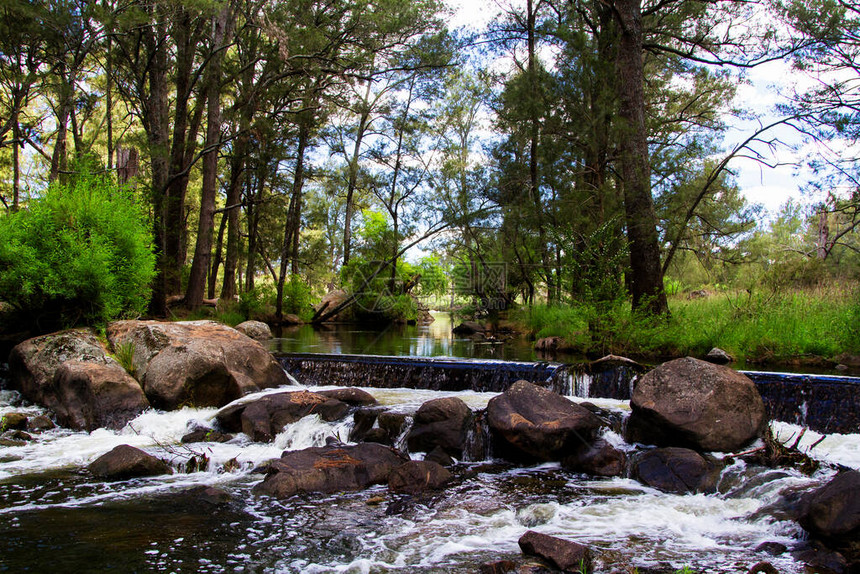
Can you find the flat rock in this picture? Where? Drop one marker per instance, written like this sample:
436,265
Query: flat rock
125,462
328,469
540,424
351,396
696,404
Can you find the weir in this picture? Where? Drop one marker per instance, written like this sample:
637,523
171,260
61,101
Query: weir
826,404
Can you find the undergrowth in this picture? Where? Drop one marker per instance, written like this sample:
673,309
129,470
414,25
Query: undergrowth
756,326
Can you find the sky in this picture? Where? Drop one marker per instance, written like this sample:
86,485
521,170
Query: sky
768,186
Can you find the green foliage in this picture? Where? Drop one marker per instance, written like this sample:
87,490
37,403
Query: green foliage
297,298
753,326
124,355
257,301
82,253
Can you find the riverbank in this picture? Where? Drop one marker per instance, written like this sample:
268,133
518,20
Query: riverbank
817,328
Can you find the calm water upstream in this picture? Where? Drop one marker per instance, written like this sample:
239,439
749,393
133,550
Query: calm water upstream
55,517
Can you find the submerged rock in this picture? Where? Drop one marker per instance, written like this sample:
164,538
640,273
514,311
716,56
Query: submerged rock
468,328
329,469
440,423
196,363
125,462
676,470
418,476
563,554
263,418
696,404
538,424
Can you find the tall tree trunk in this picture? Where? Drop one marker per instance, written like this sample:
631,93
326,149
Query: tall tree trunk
234,198
646,280
156,125
291,228
59,158
182,148
16,160
363,122
109,101
216,259
208,191
253,216
534,173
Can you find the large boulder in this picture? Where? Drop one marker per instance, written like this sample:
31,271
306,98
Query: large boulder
417,476
440,422
329,469
263,418
330,302
565,555
196,363
95,395
125,462
696,404
539,424
71,373
832,513
676,470
34,363
351,396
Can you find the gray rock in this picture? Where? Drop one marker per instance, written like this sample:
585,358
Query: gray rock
257,330
96,395
696,404
676,470
418,476
719,357
196,363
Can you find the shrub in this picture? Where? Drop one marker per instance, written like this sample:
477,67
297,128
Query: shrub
80,254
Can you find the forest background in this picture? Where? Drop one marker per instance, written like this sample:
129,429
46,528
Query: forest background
569,167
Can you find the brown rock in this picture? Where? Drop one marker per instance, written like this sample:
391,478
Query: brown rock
263,418
34,363
599,459
832,513
13,421
125,462
351,396
540,424
563,554
676,470
553,344
257,330
695,404
40,423
498,567
199,363
440,422
418,476
96,395
328,469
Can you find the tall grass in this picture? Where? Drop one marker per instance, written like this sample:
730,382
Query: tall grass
753,326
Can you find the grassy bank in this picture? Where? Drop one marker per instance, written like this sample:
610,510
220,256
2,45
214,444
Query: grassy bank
754,327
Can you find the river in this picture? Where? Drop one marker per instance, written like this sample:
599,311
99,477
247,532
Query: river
56,517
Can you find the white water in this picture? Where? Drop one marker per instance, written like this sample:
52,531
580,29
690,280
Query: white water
479,520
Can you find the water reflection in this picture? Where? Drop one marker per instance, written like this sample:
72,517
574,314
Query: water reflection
433,340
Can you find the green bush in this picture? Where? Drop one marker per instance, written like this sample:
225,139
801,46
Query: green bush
80,254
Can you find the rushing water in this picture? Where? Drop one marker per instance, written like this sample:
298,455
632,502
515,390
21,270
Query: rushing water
55,517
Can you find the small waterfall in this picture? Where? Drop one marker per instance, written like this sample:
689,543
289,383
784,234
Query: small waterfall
439,374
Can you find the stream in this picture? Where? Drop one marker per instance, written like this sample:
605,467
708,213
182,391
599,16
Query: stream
56,517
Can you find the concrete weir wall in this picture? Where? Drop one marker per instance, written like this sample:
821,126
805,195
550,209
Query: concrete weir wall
827,404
